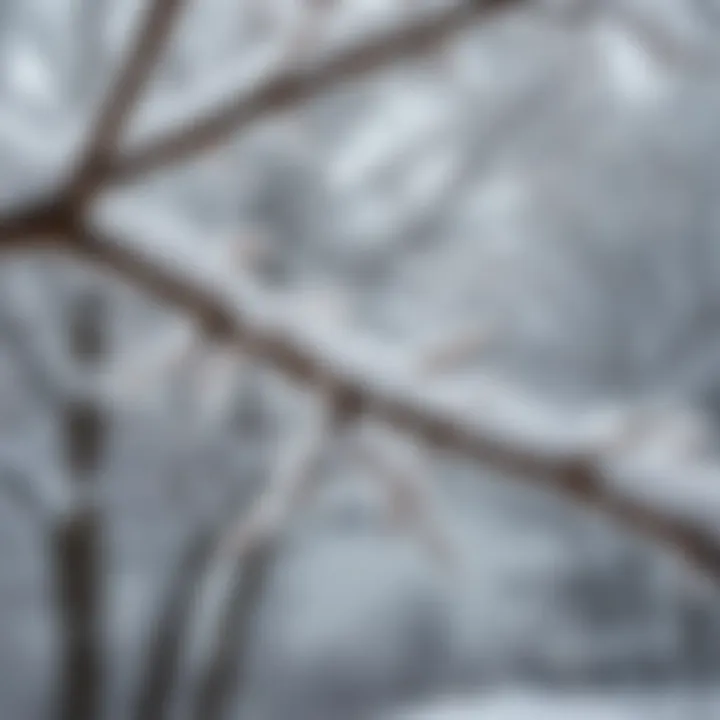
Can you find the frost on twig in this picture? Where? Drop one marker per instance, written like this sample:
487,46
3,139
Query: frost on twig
401,471
244,556
663,455
292,481
213,593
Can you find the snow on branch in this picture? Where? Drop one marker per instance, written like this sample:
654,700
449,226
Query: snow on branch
296,470
57,212
401,469
219,581
204,127
245,553
498,426
131,79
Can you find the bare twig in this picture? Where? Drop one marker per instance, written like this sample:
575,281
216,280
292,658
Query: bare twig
292,87
36,225
131,79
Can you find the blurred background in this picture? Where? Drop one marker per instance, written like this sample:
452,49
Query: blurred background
529,203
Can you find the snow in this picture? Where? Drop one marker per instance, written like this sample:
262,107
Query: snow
528,705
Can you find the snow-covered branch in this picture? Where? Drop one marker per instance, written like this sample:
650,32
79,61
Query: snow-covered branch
401,469
245,553
131,79
221,575
499,427
493,424
204,127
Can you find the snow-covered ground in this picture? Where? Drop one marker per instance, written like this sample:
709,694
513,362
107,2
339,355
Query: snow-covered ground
525,705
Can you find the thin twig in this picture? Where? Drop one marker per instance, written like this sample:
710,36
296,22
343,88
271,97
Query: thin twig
131,79
296,471
248,542
164,655
100,167
293,87
251,544
403,481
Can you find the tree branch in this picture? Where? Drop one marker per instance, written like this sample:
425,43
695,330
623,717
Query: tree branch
571,464
131,79
251,544
292,87
247,540
43,221
38,224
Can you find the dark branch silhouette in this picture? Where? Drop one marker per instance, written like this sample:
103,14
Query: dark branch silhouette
125,92
292,87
